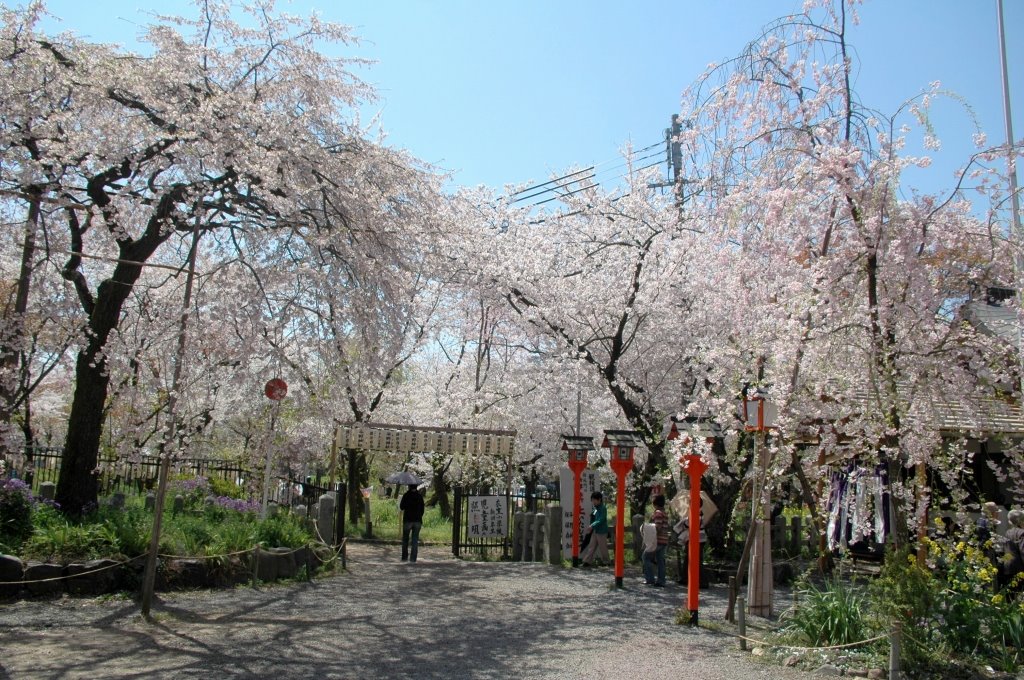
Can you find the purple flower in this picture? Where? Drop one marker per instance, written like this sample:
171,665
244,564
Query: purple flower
236,504
193,484
15,484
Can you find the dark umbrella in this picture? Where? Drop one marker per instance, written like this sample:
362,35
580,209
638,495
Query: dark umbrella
404,478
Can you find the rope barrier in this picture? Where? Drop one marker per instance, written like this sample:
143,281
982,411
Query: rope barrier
292,552
341,546
118,563
316,528
81,573
338,551
764,643
204,557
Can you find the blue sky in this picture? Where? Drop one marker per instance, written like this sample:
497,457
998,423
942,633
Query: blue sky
503,92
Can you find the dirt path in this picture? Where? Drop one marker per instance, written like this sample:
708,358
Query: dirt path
438,618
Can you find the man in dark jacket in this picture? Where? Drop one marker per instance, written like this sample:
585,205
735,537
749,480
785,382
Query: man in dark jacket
411,506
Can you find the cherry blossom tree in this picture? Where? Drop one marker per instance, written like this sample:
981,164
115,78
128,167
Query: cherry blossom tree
237,126
607,282
354,315
38,323
794,259
846,288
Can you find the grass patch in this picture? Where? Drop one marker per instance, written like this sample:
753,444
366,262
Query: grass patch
384,514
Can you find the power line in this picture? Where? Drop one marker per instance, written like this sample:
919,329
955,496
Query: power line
555,198
550,181
633,161
594,184
558,182
667,149
561,185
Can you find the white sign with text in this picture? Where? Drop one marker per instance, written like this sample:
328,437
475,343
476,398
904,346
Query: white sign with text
588,484
487,516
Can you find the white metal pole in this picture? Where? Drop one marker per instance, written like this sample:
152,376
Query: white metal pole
269,449
1016,237
1008,118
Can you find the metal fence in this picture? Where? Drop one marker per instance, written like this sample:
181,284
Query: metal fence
136,475
463,540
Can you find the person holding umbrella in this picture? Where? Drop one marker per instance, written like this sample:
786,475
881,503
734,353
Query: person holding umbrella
412,507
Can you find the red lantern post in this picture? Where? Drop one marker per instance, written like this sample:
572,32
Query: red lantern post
577,448
622,443
695,467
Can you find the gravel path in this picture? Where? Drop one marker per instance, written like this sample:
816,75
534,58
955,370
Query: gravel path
438,618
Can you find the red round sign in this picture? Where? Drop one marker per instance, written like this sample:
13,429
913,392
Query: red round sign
275,389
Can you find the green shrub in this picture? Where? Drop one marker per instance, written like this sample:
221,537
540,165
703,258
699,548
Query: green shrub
906,592
16,505
232,536
834,614
66,542
1009,638
224,487
187,535
131,528
282,531
974,619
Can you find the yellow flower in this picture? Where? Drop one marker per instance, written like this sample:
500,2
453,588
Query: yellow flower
997,598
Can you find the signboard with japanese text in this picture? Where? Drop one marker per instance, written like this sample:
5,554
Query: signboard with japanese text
487,517
588,485
411,439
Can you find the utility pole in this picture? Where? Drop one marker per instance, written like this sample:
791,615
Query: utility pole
1016,237
673,162
676,158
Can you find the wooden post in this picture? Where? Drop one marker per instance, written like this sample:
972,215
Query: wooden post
457,521
922,513
742,609
620,526
895,639
268,446
760,584
506,542
730,611
332,470
149,575
339,523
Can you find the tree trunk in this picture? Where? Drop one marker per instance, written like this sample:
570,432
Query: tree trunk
885,368
440,489
11,385
77,485
358,478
